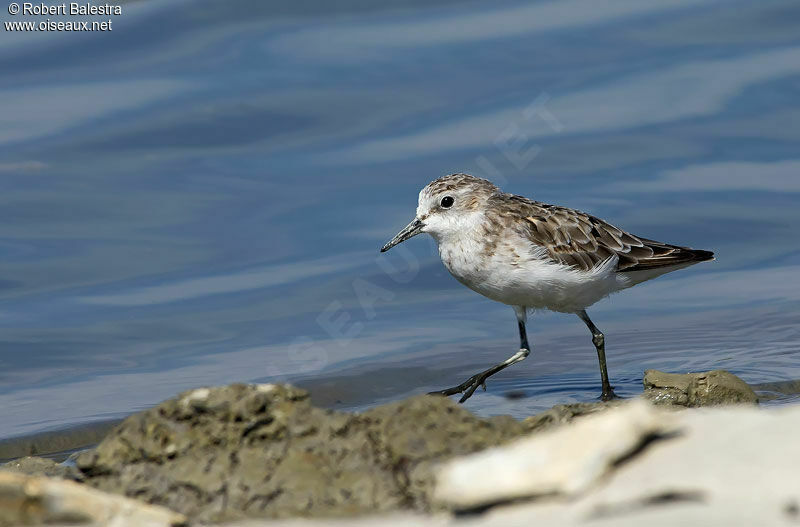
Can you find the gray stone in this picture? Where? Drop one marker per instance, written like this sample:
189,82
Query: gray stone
711,388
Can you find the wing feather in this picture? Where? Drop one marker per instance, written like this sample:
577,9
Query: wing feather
583,241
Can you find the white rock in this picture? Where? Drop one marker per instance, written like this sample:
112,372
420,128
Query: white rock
734,459
563,461
719,467
35,500
200,394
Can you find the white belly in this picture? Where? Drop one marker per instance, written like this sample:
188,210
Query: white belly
530,279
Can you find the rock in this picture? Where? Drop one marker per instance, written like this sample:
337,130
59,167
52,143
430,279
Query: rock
783,391
36,500
565,413
39,466
717,467
667,389
261,453
264,451
737,462
566,460
720,387
711,388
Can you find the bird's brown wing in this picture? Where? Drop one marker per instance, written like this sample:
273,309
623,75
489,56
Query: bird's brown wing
584,241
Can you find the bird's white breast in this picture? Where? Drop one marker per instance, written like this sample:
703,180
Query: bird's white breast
512,270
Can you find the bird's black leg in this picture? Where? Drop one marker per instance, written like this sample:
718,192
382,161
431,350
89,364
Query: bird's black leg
599,342
469,386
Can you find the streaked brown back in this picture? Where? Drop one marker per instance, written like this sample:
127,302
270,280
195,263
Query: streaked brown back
583,241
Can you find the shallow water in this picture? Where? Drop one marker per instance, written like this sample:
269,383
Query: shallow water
198,196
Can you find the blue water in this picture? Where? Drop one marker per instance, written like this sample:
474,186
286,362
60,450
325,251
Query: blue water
198,196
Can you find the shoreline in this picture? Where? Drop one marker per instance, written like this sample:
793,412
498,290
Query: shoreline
262,452
59,443
56,444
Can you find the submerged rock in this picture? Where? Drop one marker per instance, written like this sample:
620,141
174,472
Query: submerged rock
710,388
264,451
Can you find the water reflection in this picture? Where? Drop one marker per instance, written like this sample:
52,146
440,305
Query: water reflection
198,196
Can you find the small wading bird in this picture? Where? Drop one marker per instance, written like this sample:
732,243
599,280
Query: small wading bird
529,254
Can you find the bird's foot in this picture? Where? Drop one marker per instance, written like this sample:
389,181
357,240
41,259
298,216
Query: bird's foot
467,387
608,394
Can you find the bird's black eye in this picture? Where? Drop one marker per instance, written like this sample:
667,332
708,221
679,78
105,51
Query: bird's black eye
447,202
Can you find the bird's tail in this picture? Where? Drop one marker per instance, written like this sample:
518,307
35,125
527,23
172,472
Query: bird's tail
666,255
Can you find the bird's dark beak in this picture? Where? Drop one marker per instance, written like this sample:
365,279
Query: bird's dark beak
410,230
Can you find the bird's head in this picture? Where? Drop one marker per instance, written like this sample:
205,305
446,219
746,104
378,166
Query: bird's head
446,206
